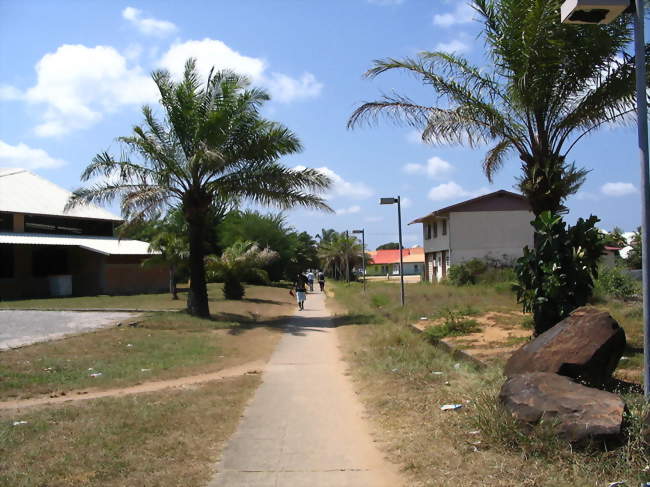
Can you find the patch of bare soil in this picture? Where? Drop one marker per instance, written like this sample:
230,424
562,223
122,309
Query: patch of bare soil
255,367
501,334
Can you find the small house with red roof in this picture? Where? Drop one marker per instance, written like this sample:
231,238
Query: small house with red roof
386,262
493,227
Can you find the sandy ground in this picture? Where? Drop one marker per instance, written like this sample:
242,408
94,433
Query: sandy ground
498,339
305,426
20,328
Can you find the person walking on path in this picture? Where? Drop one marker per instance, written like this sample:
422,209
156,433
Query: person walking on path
300,286
310,281
321,281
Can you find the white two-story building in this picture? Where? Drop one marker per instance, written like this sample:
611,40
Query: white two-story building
494,226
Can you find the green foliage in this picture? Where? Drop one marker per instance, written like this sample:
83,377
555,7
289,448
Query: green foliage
338,251
616,282
455,323
557,276
466,272
296,251
635,256
548,84
389,246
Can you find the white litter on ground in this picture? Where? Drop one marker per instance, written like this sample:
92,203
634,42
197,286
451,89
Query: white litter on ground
450,407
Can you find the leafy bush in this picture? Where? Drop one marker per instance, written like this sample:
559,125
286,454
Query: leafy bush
456,324
466,272
616,282
557,276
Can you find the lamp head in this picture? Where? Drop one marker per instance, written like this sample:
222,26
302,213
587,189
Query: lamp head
387,201
592,11
357,231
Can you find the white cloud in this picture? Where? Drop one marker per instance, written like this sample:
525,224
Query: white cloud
348,211
618,189
462,14
452,190
341,187
78,84
10,93
435,168
453,46
214,53
148,25
26,157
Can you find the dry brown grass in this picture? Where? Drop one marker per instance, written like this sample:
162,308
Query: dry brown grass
392,368
161,439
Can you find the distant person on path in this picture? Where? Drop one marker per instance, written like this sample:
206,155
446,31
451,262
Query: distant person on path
300,285
321,281
310,280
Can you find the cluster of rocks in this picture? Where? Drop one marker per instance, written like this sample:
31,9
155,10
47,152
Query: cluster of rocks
560,374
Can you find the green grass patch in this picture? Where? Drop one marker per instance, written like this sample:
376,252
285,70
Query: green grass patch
455,323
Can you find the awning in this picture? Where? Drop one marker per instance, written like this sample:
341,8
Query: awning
101,245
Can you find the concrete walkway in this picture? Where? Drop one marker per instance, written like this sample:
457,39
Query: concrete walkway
305,426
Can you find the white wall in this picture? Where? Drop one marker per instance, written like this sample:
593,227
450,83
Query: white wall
493,234
435,244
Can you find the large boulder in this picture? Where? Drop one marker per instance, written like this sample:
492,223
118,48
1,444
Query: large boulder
585,346
581,412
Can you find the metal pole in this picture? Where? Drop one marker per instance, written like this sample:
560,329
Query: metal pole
347,257
642,123
363,257
401,259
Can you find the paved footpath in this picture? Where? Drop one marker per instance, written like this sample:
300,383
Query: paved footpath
305,426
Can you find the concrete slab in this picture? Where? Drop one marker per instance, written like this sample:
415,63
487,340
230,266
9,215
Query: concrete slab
305,426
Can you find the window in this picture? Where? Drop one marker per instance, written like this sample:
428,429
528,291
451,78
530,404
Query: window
49,261
6,261
444,227
435,229
428,231
6,222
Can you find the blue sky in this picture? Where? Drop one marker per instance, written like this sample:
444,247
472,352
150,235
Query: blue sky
73,75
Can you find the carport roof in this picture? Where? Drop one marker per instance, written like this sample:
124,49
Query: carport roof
101,245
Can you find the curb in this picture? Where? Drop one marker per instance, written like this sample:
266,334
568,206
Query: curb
453,351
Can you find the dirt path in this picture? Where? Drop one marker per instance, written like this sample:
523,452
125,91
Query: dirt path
247,368
305,426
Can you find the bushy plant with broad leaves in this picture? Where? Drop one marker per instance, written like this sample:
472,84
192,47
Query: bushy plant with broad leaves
466,272
617,282
558,275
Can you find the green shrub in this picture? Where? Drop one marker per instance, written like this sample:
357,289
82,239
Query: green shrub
456,324
466,272
616,282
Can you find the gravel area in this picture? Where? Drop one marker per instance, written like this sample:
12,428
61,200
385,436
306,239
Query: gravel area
19,328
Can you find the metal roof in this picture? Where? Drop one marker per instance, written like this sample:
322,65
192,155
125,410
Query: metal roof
22,191
101,245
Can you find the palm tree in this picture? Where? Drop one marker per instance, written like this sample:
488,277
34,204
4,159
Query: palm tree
550,85
244,260
173,252
339,253
211,146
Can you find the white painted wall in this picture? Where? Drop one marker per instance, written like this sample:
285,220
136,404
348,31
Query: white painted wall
493,234
435,244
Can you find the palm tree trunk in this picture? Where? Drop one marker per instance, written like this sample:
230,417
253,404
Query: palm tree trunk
197,297
172,282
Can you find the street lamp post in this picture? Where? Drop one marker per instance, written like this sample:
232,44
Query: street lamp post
363,255
591,12
392,201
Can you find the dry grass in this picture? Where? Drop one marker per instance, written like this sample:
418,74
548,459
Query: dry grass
160,439
166,345
393,370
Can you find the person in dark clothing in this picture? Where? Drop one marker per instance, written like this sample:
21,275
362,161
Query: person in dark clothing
321,281
300,285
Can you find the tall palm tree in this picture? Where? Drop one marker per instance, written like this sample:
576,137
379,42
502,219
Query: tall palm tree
549,86
211,146
339,252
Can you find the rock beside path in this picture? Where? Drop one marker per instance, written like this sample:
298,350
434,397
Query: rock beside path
585,346
581,412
